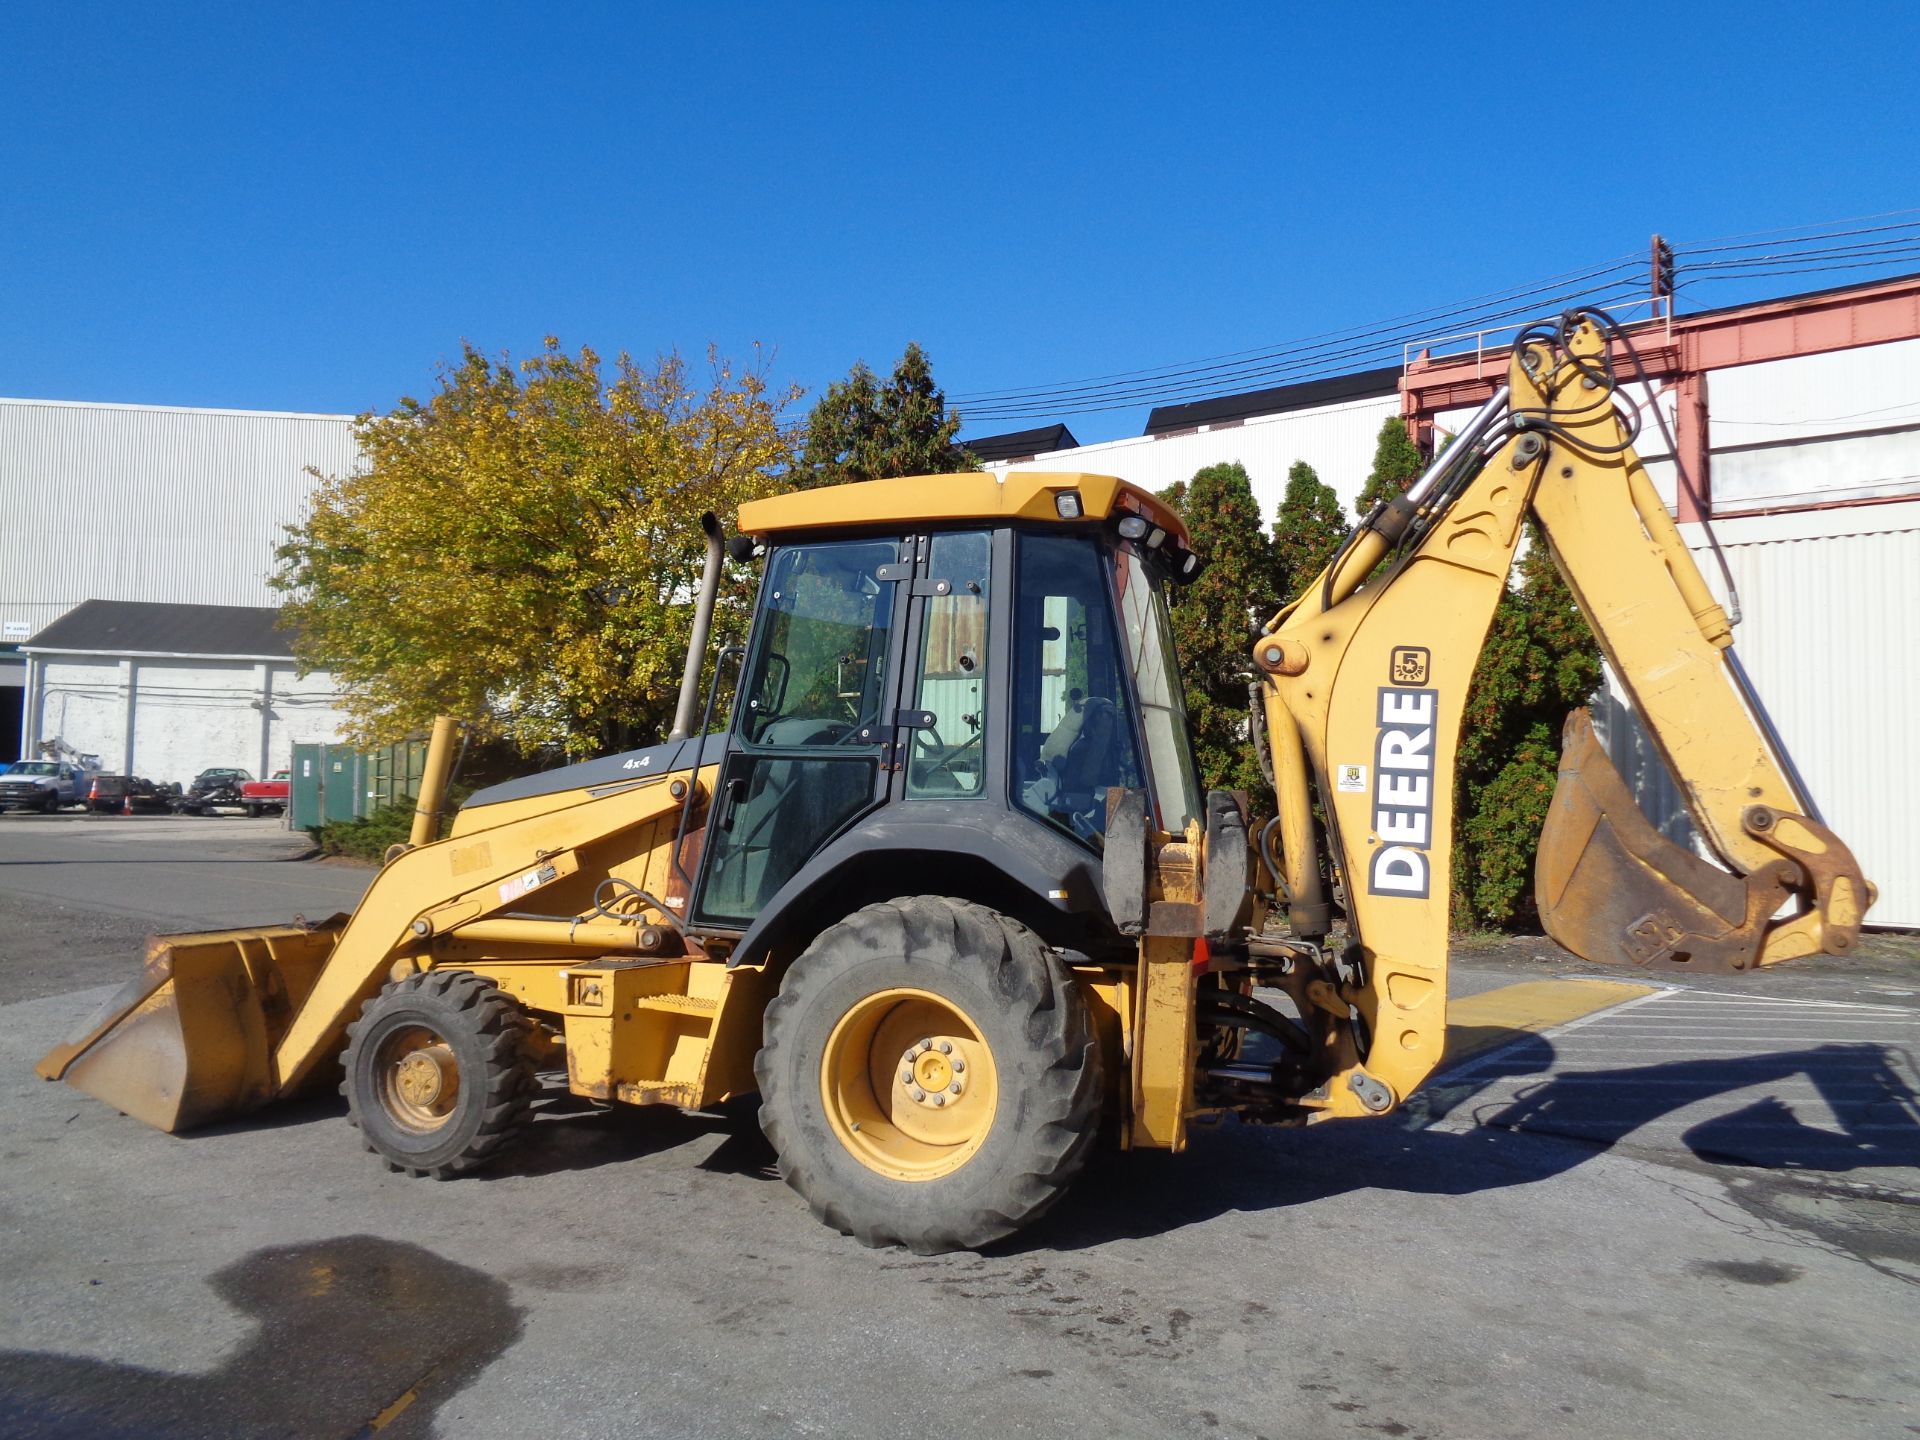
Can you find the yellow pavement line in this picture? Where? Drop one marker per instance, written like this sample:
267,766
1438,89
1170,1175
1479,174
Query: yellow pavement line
1483,1022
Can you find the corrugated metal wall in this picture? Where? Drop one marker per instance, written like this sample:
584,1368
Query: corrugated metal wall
106,502
1832,615
1832,625
1337,440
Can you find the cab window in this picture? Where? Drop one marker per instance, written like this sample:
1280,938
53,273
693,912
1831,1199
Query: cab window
820,669
1073,723
947,756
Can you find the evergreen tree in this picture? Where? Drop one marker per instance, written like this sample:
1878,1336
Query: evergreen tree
1396,464
865,428
1540,662
1307,530
1215,622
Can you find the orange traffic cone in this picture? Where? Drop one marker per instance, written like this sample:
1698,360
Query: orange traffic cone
126,803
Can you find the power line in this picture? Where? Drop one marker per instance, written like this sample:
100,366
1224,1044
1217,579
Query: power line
1307,366
1793,250
1864,247
1383,340
1433,314
1721,242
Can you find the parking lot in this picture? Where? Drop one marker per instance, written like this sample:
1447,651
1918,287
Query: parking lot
1634,1211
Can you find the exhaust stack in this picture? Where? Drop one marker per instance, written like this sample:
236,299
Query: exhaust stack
683,713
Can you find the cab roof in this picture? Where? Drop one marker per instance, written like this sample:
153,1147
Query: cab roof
915,500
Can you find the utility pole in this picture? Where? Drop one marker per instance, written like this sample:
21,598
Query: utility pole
1661,277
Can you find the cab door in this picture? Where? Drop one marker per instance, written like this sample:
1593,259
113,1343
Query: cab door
814,727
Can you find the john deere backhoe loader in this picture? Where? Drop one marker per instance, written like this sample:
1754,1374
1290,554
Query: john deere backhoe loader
946,893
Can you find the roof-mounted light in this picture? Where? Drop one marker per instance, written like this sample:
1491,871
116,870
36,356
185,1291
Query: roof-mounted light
1132,527
1067,504
1190,566
1156,539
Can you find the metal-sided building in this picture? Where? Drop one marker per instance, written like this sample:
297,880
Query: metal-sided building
1799,419
170,518
166,691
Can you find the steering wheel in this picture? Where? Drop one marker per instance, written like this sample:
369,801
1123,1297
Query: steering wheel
927,740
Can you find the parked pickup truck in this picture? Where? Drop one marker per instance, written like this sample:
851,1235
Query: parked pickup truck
42,785
267,797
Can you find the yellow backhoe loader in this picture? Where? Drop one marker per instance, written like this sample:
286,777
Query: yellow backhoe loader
946,893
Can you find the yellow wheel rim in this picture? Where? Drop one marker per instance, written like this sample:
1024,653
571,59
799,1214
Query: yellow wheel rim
417,1079
909,1084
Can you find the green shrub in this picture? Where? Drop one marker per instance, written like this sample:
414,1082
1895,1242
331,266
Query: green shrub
368,837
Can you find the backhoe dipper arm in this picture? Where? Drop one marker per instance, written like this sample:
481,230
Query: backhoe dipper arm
1366,677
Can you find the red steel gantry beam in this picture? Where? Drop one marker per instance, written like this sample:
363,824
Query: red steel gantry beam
1681,351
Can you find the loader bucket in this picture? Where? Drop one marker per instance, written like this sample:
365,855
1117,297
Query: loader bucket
190,1040
1614,890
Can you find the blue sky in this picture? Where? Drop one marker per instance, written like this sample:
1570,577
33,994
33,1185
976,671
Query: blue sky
308,208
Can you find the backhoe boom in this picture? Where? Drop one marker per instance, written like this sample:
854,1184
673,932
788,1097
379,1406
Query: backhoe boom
1365,680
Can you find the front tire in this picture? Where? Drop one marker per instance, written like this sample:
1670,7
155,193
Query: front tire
439,1074
930,1076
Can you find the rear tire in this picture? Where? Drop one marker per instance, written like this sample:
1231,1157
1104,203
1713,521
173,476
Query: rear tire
864,1113
439,1078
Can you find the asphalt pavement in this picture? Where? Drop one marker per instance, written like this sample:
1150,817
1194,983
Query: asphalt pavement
1625,1210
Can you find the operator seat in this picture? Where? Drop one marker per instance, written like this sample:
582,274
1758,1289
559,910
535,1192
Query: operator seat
1077,764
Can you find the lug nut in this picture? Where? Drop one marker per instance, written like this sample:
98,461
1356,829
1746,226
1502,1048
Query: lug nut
954,1088
946,1047
939,1099
925,1044
906,1077
918,1093
959,1066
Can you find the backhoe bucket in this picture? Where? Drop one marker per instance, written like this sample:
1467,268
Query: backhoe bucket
190,1040
1614,890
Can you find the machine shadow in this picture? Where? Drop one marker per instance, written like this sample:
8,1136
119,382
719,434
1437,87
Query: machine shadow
400,1330
1547,1129
574,1134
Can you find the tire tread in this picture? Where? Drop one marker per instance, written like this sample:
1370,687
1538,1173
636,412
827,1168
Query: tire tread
1031,982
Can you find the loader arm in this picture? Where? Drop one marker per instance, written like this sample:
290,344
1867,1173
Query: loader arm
1365,677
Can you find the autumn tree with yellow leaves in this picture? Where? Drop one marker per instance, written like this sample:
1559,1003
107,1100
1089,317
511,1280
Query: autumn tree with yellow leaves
521,548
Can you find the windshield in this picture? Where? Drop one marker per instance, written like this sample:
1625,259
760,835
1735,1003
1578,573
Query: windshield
820,670
33,767
1156,679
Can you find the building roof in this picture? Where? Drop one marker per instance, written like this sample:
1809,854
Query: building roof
1021,444
175,409
140,627
1331,390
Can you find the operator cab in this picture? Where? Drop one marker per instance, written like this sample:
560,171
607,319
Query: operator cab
960,692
